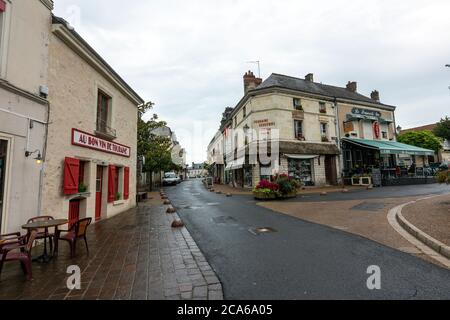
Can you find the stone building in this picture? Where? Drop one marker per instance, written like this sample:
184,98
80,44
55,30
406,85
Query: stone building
304,124
90,169
326,134
24,56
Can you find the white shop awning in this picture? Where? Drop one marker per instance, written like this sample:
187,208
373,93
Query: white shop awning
235,164
301,156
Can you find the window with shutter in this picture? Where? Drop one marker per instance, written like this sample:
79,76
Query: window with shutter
126,183
71,174
111,183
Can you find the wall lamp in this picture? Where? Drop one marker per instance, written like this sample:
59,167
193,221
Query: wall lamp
38,159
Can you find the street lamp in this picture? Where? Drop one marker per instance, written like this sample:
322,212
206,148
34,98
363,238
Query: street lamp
399,129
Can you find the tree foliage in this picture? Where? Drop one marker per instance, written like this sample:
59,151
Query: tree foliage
442,129
422,139
154,148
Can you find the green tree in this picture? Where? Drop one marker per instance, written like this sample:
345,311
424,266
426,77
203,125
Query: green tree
422,139
442,129
154,148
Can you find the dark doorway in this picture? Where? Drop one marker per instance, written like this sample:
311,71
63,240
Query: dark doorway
3,158
330,170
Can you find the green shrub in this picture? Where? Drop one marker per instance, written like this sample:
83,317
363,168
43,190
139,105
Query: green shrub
443,177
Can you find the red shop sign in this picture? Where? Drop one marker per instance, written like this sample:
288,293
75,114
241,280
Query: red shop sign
86,140
376,129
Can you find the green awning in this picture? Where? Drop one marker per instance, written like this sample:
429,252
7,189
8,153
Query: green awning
390,147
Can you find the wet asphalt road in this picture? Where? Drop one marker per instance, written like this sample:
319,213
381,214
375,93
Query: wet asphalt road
302,260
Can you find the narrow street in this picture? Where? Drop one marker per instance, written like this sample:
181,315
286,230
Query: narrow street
300,260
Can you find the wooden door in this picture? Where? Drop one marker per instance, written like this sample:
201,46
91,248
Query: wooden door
330,170
98,193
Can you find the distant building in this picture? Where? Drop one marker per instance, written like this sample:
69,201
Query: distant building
197,169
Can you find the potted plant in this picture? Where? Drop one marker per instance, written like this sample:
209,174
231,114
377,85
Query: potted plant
325,139
82,188
287,186
356,181
443,177
265,190
118,196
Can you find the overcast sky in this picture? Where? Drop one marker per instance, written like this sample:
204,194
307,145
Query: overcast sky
188,57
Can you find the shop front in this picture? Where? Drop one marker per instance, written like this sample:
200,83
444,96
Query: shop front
96,179
384,162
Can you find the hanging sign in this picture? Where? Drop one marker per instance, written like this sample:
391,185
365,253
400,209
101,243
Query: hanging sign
376,129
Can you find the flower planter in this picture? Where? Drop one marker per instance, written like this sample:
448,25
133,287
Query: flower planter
361,181
288,196
264,196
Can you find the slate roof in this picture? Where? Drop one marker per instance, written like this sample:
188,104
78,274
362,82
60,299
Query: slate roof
288,82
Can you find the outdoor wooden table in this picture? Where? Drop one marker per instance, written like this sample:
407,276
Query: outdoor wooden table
45,257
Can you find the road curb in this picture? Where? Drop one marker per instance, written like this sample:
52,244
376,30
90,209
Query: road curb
434,244
427,244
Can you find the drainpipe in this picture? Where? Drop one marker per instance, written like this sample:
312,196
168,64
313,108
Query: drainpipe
44,158
338,138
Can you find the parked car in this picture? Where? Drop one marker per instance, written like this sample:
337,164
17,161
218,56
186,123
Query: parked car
170,179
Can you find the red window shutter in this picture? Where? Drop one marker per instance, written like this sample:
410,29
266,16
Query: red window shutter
111,183
2,6
126,183
71,173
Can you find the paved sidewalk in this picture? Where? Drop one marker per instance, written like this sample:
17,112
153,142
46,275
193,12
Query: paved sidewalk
432,216
134,255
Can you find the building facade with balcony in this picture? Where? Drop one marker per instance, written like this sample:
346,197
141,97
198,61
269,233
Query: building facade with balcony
90,169
24,56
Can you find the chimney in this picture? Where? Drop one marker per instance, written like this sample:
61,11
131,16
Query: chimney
352,86
251,82
309,77
375,96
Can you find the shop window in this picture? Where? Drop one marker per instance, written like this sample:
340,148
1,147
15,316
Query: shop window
82,185
358,158
298,104
384,135
298,128
322,107
347,159
301,169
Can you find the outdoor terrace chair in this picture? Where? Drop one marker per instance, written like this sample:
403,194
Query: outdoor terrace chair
18,248
41,232
77,231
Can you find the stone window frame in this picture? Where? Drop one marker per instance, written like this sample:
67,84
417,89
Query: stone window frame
5,26
101,87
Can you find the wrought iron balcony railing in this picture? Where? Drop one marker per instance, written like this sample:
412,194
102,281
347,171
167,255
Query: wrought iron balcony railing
104,129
